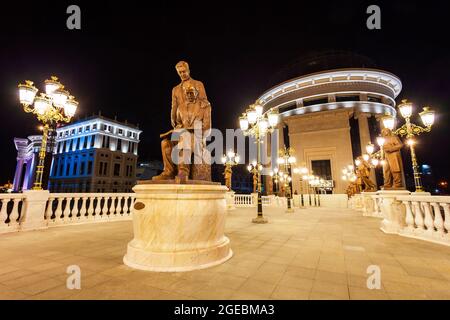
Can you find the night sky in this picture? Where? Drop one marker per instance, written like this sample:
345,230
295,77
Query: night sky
122,60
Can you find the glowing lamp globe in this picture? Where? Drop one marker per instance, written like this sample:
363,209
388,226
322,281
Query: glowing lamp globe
27,93
427,116
41,104
259,110
251,116
60,97
370,148
405,109
381,141
52,85
389,122
70,107
273,118
243,123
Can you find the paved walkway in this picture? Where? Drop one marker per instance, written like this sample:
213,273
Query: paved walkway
313,253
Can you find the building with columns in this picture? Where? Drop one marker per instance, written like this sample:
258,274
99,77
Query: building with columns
27,159
329,117
96,154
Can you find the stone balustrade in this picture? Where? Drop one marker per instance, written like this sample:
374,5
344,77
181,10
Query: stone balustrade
427,218
32,210
70,208
12,206
243,200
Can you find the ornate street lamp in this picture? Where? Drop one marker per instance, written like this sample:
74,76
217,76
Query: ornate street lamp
54,106
229,160
257,124
410,130
286,160
303,172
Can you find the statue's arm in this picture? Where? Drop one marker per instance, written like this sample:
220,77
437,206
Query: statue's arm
173,112
202,91
207,121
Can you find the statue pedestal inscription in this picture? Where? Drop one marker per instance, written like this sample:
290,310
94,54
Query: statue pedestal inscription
178,227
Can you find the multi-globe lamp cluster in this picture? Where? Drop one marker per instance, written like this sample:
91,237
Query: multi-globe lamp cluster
54,106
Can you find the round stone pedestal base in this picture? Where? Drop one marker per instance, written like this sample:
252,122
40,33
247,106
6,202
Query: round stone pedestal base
178,227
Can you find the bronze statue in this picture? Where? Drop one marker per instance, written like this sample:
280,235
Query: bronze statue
255,183
227,174
191,120
392,169
363,174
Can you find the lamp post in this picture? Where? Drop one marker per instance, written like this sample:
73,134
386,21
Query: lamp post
286,159
254,168
229,160
54,106
410,130
257,124
303,172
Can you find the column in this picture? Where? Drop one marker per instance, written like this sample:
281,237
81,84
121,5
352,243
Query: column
364,138
18,174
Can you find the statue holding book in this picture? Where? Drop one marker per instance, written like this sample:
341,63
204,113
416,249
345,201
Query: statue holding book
184,147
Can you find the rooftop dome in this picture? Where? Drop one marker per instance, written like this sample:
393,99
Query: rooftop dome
321,61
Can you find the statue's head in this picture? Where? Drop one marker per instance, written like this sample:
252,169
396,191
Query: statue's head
191,93
386,132
183,70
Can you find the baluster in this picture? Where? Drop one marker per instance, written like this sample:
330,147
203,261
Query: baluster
49,211
97,209
438,221
108,206
376,209
65,212
4,213
429,219
114,204
418,215
121,206
447,218
409,216
14,215
105,208
126,207
90,210
58,210
75,211
83,208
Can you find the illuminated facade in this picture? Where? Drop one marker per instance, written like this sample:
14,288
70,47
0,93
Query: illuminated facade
95,155
27,159
330,116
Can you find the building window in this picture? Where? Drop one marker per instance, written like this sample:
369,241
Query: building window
374,99
75,165
119,145
120,131
79,130
82,168
315,101
100,170
346,98
105,168
85,143
78,144
88,128
105,127
89,167
68,167
92,141
72,132
94,126
116,169
322,168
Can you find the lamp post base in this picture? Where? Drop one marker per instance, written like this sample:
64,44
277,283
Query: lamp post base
260,219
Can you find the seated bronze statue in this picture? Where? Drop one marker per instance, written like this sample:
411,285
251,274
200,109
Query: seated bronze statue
184,147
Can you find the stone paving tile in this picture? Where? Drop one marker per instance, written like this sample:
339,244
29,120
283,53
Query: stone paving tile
314,253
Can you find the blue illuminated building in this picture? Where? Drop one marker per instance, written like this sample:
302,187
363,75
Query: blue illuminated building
95,154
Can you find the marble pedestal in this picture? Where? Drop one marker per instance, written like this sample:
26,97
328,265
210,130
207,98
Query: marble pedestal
394,212
178,227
